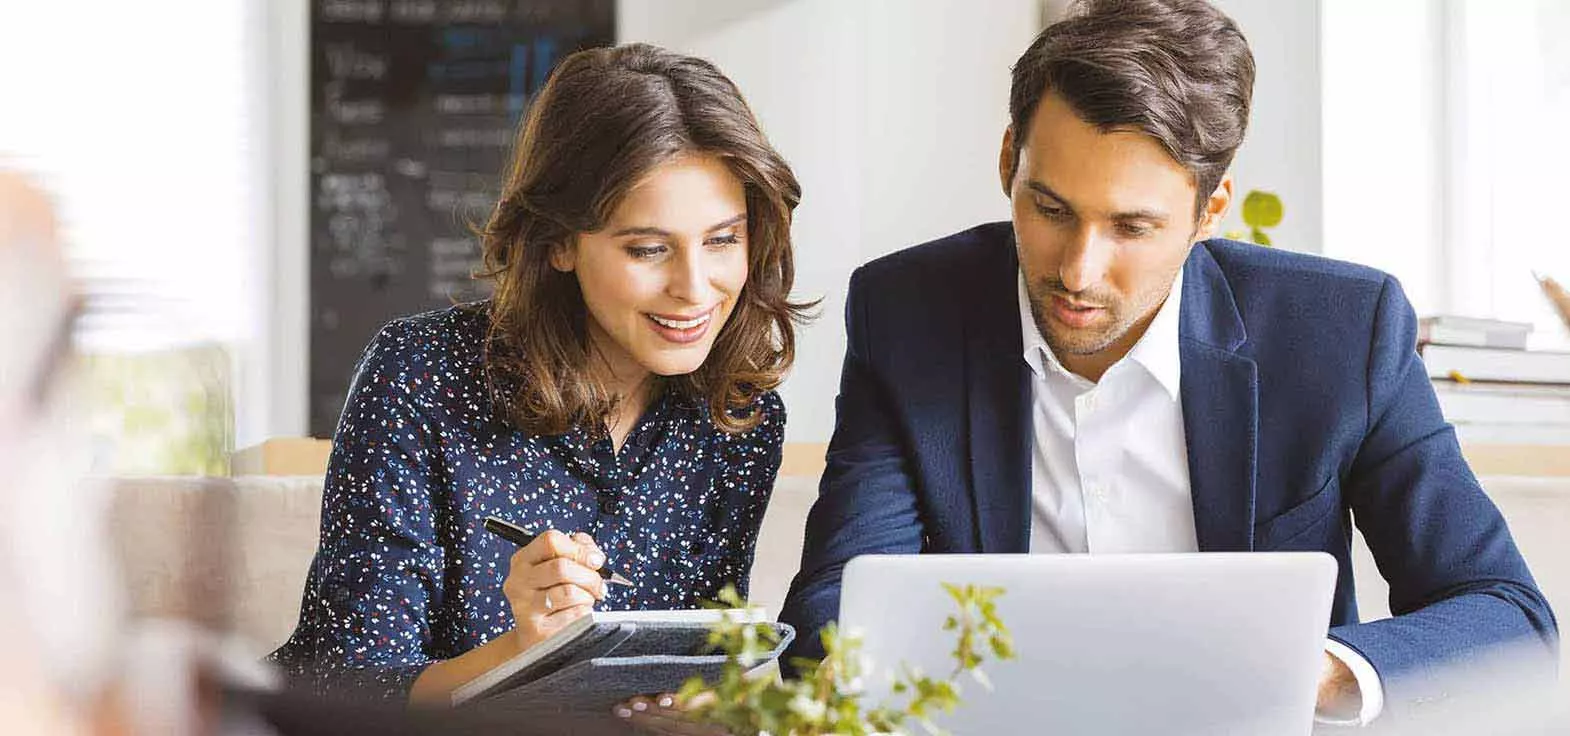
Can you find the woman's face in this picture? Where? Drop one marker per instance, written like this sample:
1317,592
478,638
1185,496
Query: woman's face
663,275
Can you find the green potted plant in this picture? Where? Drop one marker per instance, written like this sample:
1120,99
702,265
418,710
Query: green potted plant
827,696
1261,210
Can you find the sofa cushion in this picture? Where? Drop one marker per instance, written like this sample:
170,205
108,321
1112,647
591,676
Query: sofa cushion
236,552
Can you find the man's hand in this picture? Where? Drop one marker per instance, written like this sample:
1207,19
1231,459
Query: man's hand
663,715
1339,696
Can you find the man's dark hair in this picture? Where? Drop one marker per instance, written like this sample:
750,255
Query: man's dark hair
1179,71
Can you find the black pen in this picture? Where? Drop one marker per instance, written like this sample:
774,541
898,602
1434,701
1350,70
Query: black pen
521,537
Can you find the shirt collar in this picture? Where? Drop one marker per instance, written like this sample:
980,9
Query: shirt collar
1037,355
1157,350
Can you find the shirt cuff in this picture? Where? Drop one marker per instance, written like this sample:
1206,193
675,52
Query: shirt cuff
1372,692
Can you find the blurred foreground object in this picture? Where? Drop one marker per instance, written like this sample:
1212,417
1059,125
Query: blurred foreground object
61,606
1510,691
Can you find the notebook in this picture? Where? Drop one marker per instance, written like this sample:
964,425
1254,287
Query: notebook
570,681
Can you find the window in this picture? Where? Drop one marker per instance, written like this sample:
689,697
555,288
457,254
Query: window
137,121
1509,147
1443,151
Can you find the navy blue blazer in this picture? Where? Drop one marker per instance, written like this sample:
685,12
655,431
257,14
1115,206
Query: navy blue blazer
1304,403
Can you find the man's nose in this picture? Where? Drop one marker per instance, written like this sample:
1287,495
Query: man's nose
1086,261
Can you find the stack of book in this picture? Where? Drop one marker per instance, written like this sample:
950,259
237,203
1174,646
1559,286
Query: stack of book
1491,387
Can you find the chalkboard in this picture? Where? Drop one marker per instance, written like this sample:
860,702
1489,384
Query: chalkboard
414,107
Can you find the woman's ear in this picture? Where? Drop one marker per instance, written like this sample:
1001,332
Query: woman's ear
564,256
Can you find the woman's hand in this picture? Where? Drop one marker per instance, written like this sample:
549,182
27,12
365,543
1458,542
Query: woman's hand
664,715
553,581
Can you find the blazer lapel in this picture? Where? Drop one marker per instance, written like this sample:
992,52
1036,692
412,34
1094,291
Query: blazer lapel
998,406
1220,390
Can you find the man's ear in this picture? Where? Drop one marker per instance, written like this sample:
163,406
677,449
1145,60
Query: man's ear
1215,210
1006,162
564,255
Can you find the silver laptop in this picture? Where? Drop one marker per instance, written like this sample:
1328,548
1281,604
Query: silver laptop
1110,644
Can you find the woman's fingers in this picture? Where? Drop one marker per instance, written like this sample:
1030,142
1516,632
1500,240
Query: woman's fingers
664,715
548,623
579,548
561,571
553,545
553,582
593,556
553,559
563,596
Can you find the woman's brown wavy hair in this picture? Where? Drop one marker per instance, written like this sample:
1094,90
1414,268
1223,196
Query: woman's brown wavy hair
603,120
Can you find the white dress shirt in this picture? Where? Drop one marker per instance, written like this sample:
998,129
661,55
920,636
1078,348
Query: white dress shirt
1109,460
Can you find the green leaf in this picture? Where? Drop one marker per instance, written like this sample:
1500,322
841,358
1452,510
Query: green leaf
826,698
1259,236
1262,209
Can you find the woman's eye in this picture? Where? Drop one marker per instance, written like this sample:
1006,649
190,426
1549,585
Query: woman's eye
724,240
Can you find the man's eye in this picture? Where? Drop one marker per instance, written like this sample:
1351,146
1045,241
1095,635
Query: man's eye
1052,213
1135,231
645,251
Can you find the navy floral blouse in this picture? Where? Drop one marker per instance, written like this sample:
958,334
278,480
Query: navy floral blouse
405,575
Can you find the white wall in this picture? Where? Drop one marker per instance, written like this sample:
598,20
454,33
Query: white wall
1508,107
890,112
1282,150
273,391
1384,134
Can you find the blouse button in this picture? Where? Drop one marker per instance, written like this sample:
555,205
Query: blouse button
692,547
607,504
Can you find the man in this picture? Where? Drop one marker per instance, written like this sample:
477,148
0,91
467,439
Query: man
1100,376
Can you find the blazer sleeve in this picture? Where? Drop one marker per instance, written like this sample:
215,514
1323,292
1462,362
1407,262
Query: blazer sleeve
1458,585
866,500
376,581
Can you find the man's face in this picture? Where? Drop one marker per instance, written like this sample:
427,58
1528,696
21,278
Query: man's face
1103,222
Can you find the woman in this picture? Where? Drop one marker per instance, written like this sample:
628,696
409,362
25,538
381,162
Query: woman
617,388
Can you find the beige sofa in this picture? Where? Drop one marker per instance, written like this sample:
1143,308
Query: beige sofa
247,564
